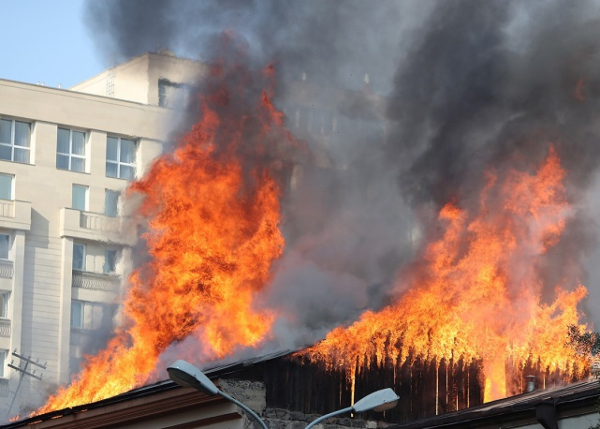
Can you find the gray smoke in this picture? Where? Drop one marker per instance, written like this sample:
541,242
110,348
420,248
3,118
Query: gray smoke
493,84
488,80
345,223
332,42
465,84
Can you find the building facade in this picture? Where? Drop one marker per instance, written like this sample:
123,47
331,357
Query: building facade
66,155
65,158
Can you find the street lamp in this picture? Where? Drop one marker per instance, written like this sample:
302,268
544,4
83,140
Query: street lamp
187,375
381,400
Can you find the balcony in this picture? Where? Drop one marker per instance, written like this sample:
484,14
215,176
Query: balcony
15,215
96,281
6,269
4,327
95,227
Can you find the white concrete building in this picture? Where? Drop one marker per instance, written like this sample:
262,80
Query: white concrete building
65,157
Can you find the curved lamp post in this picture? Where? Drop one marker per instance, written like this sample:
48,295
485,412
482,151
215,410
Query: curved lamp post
187,375
381,400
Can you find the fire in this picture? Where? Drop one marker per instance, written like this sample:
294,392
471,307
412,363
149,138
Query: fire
213,211
476,292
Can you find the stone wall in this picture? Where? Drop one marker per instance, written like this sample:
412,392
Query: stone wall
277,418
253,394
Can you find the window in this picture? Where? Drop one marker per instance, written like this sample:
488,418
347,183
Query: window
4,246
15,138
4,304
77,314
170,93
3,357
79,256
89,315
6,186
111,202
110,261
79,198
120,158
70,150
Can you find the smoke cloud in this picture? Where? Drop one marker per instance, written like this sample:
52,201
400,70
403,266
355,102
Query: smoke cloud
493,84
332,42
454,87
345,223
488,80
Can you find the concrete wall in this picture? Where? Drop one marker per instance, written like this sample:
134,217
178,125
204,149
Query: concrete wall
120,102
176,70
253,394
277,418
137,80
128,81
44,227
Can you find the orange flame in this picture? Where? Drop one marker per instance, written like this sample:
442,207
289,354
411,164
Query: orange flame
213,232
477,293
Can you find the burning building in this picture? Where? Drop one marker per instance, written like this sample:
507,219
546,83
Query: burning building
89,237
435,242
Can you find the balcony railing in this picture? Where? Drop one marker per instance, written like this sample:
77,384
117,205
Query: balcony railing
7,208
100,223
95,281
6,269
4,327
96,227
15,214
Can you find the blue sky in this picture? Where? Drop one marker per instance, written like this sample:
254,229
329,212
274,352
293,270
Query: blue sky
47,41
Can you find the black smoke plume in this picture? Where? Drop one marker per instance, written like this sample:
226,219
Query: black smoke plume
486,81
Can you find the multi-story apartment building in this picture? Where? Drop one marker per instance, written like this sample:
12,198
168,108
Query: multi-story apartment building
65,158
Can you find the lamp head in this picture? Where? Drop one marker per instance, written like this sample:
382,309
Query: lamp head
187,375
381,400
